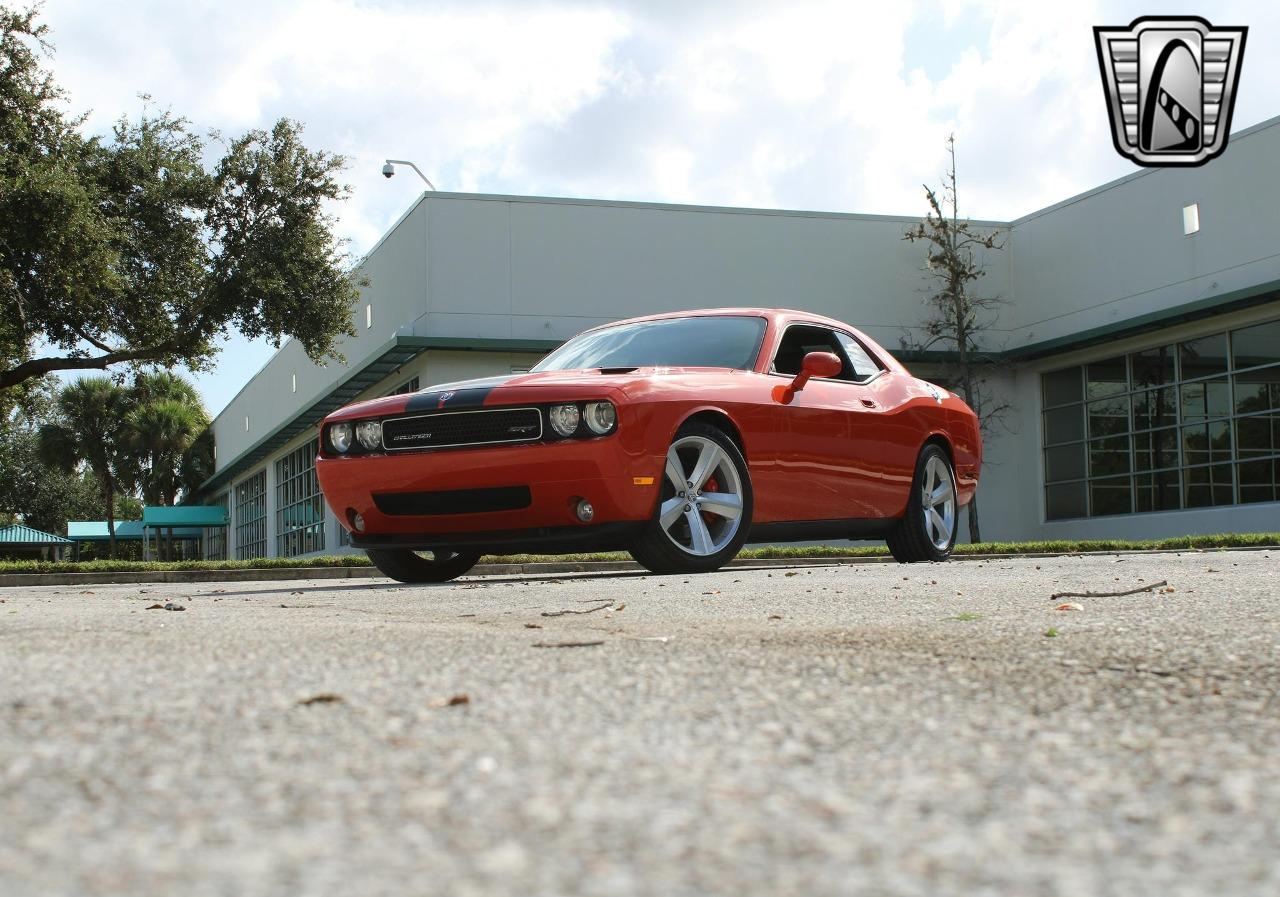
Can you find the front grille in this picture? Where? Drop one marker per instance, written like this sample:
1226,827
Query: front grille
453,501
457,428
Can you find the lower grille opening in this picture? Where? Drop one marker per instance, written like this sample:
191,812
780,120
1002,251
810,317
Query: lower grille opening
453,501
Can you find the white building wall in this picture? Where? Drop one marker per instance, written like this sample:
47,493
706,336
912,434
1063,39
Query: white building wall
1119,252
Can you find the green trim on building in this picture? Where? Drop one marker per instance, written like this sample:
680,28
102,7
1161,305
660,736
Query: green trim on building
1156,320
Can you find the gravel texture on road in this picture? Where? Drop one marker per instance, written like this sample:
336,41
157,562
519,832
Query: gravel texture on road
871,729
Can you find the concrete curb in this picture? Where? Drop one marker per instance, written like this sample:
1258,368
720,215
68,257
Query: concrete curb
277,574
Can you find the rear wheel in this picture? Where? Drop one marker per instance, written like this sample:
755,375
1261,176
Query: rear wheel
422,566
927,532
704,507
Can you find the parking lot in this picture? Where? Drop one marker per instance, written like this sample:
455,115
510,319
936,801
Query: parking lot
870,728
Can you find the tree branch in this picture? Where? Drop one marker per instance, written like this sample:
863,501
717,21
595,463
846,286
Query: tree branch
38,367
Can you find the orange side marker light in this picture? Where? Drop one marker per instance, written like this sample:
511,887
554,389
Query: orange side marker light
642,481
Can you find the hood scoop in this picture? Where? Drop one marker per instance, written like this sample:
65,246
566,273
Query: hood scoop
617,370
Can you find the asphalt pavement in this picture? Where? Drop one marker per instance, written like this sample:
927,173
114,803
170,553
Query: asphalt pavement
865,729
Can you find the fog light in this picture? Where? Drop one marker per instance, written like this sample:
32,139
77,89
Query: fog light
357,520
584,510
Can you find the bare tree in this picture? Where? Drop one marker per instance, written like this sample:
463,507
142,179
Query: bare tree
957,316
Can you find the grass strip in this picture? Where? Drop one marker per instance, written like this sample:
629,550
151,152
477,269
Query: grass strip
779,552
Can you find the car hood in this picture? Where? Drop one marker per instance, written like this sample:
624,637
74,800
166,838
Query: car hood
540,386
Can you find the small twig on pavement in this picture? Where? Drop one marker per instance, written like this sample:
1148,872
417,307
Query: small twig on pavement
590,610
1154,585
568,644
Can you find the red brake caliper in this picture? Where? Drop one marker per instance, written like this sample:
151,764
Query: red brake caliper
709,486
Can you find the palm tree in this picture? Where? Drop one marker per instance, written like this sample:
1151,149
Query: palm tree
164,431
90,431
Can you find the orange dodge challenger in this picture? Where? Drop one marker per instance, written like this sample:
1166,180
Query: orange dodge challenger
678,437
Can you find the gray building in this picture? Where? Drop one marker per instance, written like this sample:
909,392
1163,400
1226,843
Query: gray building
1139,344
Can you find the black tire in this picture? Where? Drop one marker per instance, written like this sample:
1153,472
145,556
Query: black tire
658,551
411,567
910,542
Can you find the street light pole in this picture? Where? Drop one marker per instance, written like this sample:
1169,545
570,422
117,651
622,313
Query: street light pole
389,169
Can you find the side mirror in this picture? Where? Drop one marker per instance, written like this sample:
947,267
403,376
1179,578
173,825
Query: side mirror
815,364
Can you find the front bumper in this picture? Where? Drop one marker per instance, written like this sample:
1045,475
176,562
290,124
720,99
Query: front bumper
556,475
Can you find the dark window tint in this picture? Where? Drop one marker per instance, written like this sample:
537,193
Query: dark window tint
864,367
1257,390
1061,387
1109,456
1206,443
1157,491
1258,435
1066,500
1259,344
1109,416
1203,357
1064,425
1112,495
716,341
1207,486
1153,367
1155,449
1259,480
1154,408
1205,399
1107,378
1064,462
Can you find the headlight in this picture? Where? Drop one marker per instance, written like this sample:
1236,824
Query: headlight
340,437
564,419
369,432
601,417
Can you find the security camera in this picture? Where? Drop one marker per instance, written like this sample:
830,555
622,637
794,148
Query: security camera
388,170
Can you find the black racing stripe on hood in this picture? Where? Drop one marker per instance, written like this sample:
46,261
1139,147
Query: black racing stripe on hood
449,397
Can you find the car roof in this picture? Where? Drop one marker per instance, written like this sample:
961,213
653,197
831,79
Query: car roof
779,314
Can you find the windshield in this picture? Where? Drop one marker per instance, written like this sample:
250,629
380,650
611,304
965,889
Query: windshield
719,341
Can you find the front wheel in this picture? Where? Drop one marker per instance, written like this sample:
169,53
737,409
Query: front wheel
704,506
422,566
927,532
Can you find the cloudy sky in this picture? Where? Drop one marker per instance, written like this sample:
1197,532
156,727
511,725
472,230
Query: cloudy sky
839,106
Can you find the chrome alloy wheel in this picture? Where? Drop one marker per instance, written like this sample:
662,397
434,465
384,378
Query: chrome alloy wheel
698,520
938,502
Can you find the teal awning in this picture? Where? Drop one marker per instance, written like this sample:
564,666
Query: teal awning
17,534
126,531
184,515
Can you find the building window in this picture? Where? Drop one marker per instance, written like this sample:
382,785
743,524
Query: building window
406,387
368,316
299,505
216,536
251,517
1187,425
1191,219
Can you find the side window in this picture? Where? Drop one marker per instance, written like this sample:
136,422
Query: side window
864,366
798,341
